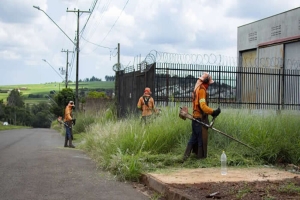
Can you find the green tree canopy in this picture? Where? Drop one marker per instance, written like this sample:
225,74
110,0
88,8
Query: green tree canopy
15,99
62,99
2,113
95,94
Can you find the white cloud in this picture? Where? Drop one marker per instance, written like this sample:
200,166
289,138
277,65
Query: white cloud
27,35
9,55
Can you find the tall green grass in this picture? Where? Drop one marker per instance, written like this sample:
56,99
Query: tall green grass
128,148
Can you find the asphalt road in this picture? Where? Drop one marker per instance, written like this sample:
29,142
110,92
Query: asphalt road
35,165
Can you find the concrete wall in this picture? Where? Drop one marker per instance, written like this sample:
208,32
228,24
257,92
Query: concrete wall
280,26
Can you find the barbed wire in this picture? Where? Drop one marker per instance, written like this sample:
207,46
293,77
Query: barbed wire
214,60
220,60
211,59
273,62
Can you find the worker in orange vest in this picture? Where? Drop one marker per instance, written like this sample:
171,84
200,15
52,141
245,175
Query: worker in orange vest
146,105
201,110
68,121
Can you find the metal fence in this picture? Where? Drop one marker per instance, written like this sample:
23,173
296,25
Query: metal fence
131,85
237,87
172,79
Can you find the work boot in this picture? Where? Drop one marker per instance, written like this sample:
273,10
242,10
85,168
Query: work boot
187,152
200,153
70,143
66,142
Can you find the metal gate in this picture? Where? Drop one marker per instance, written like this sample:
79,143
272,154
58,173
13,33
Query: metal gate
131,87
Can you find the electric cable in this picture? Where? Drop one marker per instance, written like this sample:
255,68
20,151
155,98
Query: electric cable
115,21
91,12
96,44
104,7
93,8
72,63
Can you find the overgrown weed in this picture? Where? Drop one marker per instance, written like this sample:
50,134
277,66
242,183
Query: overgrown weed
127,148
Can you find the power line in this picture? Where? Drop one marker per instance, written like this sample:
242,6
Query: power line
92,9
53,68
72,63
95,26
104,7
115,22
96,44
111,50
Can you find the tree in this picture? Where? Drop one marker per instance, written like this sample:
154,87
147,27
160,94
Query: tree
36,108
109,78
24,117
15,99
17,116
41,120
95,94
2,113
61,100
14,104
42,117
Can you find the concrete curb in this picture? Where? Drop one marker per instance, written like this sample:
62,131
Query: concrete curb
163,188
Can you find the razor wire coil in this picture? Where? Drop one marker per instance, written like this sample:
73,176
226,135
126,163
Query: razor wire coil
213,60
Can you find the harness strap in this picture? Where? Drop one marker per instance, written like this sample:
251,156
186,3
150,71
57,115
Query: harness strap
146,100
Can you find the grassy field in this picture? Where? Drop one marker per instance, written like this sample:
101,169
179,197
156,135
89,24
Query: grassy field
127,149
10,127
45,89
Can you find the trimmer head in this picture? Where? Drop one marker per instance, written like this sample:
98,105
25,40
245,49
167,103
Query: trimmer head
183,113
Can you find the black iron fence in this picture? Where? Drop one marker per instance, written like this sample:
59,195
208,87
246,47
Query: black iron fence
235,86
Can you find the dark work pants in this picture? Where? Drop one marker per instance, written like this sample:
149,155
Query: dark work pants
196,137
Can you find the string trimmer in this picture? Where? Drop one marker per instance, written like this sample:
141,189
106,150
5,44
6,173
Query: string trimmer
183,114
59,119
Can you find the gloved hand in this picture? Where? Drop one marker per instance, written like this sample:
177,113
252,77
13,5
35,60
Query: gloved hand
73,121
216,112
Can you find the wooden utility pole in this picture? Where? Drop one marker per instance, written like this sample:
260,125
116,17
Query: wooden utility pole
67,65
77,54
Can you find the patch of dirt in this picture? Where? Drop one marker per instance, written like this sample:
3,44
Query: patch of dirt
284,189
239,183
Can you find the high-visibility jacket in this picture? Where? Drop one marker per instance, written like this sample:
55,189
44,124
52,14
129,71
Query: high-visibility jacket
68,113
200,106
146,104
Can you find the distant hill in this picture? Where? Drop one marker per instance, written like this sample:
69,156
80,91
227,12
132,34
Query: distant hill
35,93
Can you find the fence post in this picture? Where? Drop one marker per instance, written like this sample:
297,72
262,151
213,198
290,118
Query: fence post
219,85
167,86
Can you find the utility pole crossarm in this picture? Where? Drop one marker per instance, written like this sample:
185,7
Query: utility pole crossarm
67,65
78,11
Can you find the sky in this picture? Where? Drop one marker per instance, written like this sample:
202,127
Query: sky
33,43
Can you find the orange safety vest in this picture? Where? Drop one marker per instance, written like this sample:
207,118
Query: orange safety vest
200,103
146,104
68,114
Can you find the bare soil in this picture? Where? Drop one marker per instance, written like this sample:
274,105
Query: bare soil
246,183
284,189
